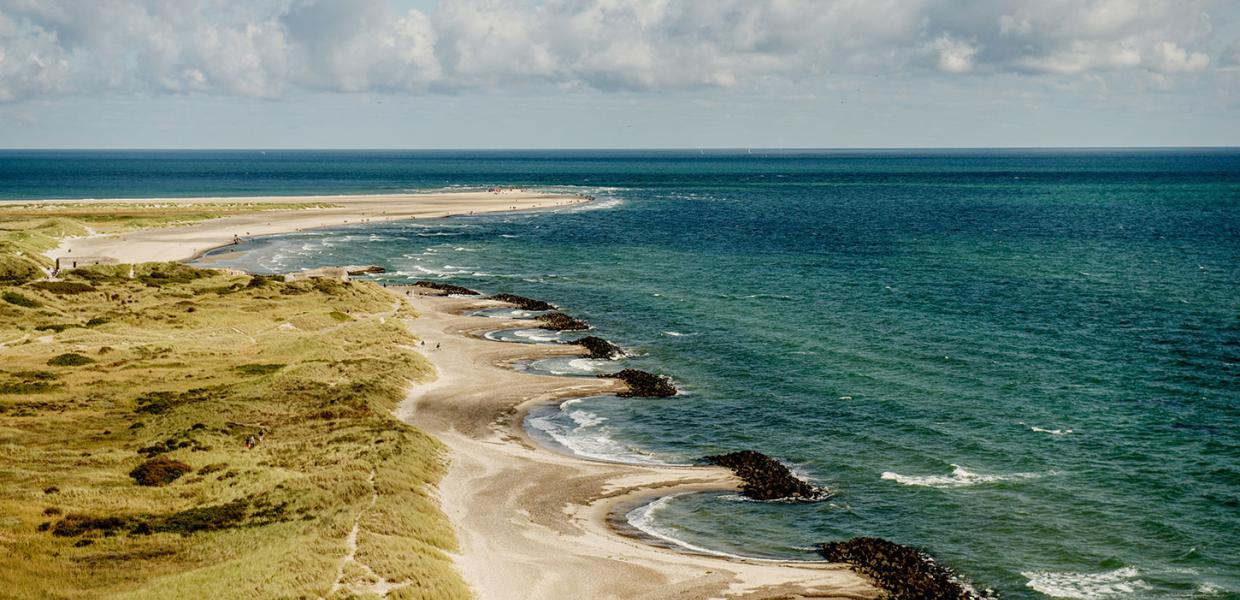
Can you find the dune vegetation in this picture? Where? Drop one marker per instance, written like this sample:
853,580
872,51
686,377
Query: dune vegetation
29,229
198,433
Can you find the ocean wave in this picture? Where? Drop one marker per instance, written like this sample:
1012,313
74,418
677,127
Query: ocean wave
676,334
569,366
642,519
528,336
602,204
960,477
583,433
503,312
1120,583
1050,431
443,272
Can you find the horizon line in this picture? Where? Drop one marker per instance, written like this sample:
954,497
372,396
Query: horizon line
592,148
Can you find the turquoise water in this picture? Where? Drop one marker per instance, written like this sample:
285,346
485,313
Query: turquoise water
1026,362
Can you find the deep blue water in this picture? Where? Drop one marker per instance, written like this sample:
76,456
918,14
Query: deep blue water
1027,362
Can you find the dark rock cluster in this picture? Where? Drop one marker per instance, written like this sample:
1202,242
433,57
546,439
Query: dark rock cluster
558,321
764,478
445,287
644,385
904,573
522,302
599,347
365,270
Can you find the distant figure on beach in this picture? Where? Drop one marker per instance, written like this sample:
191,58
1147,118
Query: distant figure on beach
250,442
436,345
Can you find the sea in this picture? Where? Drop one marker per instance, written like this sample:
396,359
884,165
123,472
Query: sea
1026,362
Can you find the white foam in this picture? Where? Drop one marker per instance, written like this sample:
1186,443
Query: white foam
597,205
674,334
1050,431
642,519
587,365
960,477
1120,583
537,335
585,435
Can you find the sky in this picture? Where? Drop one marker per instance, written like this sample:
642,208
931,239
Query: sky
618,73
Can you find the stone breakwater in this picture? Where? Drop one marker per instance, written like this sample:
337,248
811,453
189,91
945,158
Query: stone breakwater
644,385
764,478
522,302
446,287
902,572
599,347
558,321
905,573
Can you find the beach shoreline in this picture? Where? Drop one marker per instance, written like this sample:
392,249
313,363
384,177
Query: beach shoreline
534,522
195,239
531,522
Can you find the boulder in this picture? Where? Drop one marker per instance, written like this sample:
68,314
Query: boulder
446,288
764,478
558,321
600,348
644,385
523,302
903,572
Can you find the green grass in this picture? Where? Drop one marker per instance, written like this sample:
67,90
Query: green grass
184,366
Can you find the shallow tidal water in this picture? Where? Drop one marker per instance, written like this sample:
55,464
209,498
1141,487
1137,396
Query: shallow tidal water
1027,362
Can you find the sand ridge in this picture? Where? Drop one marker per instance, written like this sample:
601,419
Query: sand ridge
535,523
193,240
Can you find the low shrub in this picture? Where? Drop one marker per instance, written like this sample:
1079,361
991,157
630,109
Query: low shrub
159,471
17,299
258,369
64,287
70,359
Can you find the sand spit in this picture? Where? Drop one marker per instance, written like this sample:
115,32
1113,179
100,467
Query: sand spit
194,239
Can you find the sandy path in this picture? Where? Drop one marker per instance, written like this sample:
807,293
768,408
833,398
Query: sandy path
534,523
192,240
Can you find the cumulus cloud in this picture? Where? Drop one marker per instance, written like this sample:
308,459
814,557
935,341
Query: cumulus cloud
268,48
954,56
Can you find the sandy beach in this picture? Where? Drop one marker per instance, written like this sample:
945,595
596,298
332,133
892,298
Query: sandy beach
532,523
536,523
194,239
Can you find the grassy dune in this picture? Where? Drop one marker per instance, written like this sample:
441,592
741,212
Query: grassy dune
27,230
108,382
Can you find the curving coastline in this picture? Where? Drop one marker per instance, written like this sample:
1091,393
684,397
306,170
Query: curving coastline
534,523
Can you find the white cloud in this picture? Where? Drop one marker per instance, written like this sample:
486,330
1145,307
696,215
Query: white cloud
268,48
1170,58
954,56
